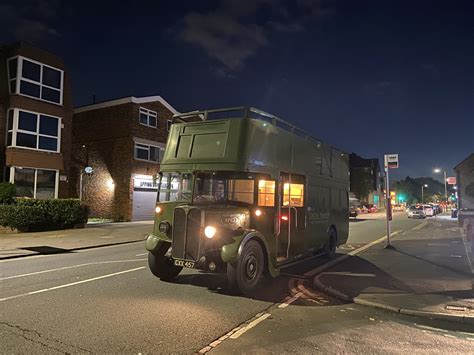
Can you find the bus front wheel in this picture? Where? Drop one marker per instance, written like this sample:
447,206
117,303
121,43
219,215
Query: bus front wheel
162,266
247,274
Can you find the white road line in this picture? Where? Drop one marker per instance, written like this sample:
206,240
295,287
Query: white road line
421,225
71,284
142,254
70,267
290,300
344,273
250,325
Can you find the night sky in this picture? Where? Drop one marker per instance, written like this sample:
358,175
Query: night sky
370,77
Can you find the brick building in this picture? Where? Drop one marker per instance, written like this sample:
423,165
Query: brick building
366,179
123,141
35,121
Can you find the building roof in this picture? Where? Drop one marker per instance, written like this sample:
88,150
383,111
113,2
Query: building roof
125,100
470,156
357,161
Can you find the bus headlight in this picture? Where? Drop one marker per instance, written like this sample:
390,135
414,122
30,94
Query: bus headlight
210,232
158,209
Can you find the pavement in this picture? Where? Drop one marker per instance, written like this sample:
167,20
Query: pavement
18,245
426,273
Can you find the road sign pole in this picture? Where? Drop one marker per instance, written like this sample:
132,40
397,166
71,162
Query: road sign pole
388,211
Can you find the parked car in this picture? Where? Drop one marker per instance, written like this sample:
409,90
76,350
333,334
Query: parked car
362,209
429,212
416,212
372,208
398,207
352,211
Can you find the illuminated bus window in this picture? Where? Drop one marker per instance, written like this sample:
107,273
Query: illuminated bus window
266,193
295,194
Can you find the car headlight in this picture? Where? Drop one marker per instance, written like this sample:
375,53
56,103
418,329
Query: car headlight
164,227
210,232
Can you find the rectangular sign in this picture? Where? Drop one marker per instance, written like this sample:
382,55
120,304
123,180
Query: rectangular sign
451,180
391,161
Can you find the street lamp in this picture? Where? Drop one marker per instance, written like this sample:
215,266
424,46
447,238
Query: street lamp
437,171
422,192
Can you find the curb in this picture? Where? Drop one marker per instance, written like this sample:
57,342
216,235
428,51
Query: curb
64,251
411,312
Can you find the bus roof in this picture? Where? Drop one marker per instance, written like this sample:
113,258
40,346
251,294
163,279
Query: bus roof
248,139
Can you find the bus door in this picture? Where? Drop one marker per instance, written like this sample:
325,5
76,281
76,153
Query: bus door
292,219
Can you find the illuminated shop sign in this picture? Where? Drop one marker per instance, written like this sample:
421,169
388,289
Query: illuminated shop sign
145,182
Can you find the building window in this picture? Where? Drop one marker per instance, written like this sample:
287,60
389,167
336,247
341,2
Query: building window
147,117
168,125
33,130
35,183
148,152
266,193
34,79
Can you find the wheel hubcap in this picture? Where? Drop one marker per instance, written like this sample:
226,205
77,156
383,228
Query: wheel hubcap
251,267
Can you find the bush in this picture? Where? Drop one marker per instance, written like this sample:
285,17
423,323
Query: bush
30,215
7,193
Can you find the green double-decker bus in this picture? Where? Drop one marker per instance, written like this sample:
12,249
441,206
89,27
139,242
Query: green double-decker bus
246,193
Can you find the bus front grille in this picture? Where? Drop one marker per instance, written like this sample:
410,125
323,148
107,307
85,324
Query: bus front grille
186,234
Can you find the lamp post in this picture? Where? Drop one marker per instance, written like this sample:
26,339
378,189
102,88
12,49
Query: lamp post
438,170
422,192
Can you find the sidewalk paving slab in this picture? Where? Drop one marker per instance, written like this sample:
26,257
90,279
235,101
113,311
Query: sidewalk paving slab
428,273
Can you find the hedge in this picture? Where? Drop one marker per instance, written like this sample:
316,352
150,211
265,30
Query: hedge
31,215
7,193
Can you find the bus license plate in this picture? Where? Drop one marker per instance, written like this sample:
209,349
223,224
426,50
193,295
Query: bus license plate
184,263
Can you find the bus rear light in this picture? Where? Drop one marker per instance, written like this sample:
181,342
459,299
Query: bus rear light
284,218
258,213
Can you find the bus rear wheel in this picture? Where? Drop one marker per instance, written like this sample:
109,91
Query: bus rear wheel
331,244
247,274
162,266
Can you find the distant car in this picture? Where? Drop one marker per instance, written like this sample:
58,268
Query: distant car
398,207
353,212
372,208
416,212
362,209
429,212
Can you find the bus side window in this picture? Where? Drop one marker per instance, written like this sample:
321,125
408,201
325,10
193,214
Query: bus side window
294,193
266,193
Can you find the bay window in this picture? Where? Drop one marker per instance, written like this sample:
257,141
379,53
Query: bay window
35,183
30,78
31,130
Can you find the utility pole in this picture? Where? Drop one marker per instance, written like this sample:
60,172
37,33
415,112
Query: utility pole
445,189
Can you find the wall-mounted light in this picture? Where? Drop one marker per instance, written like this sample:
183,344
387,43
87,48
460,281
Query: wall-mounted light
110,184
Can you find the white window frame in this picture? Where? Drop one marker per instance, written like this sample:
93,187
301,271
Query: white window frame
148,113
160,152
19,77
15,130
56,181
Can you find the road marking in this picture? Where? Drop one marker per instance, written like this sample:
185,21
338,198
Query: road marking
250,325
421,225
342,273
71,284
290,300
142,254
69,267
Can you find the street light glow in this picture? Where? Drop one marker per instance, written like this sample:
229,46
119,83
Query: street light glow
437,170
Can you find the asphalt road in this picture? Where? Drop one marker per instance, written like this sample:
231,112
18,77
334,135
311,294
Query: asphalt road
106,300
